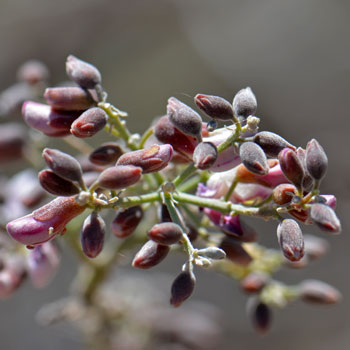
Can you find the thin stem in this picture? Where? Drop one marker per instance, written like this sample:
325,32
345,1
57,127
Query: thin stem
185,174
148,133
230,190
231,139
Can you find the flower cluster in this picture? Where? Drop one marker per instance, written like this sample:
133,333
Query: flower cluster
200,178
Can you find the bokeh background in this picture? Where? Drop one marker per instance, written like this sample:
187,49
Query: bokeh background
296,57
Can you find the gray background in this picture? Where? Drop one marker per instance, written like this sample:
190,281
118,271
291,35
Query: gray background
295,56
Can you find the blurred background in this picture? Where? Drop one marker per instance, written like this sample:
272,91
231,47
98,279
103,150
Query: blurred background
295,55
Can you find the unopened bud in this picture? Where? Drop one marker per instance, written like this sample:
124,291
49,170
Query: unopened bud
315,247
165,233
283,193
316,160
308,181
254,158
126,221
214,253
214,106
106,154
244,103
325,218
120,176
89,123
184,118
260,315
12,142
235,252
84,74
291,239
151,254
92,235
291,166
57,185
33,72
151,159
182,288
318,292
254,282
271,143
205,155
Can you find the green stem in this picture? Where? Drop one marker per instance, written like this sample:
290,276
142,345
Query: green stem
185,174
231,139
148,133
230,190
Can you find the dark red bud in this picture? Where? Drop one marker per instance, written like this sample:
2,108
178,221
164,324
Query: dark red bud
291,166
325,218
254,282
214,106
151,254
92,235
205,155
254,158
318,292
55,184
283,194
182,288
106,154
235,252
244,103
126,221
165,233
260,315
316,160
119,177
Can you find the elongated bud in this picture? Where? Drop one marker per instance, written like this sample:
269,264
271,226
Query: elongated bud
318,292
315,247
151,159
325,218
291,239
235,252
50,122
283,193
12,142
108,153
244,103
271,143
214,253
214,106
126,221
308,181
33,72
89,123
46,222
165,233
184,118
151,254
166,132
254,158
292,167
205,155
316,160
84,74
57,185
182,288
120,176
93,235
63,164
254,282
260,315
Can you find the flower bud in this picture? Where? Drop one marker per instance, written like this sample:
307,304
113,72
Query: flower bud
165,233
93,235
325,218
108,153
150,254
308,181
214,106
184,118
315,247
260,315
57,185
214,253
70,98
254,158
182,288
235,252
291,239
119,177
151,159
271,143
283,193
12,142
63,165
84,74
254,282
291,166
33,72
318,292
126,221
316,160
205,155
166,132
89,123
46,222
244,103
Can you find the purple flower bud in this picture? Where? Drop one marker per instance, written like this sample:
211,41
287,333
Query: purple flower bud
108,153
283,193
151,254
63,164
291,239
184,118
33,72
57,185
46,222
318,292
308,181
89,123
235,252
50,122
244,103
93,235
315,247
126,221
42,264
260,315
68,98
165,233
214,106
84,74
151,159
12,142
205,155
316,160
325,218
292,167
254,282
182,288
271,143
254,158
119,177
